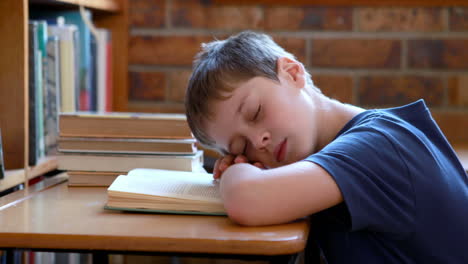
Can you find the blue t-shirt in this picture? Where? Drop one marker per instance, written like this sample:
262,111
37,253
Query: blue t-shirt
405,191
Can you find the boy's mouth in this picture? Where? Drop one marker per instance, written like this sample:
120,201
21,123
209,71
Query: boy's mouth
280,151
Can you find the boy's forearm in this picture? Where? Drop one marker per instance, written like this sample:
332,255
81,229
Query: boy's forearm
253,196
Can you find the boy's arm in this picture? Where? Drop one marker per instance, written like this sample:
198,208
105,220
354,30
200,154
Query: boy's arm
253,196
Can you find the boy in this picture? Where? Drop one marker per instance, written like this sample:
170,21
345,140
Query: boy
383,186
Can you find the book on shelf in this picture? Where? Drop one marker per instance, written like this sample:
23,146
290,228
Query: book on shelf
67,35
124,125
90,50
34,80
127,145
104,64
123,162
101,50
40,88
36,49
51,96
92,178
165,191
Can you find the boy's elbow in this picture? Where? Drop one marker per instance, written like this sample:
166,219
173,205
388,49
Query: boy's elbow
241,204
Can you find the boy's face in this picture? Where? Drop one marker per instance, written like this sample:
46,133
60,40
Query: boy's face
269,122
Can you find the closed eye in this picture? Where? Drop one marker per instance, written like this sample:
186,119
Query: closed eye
245,149
257,113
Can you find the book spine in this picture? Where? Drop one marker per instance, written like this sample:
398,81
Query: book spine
126,162
32,49
67,65
108,93
84,59
93,75
52,92
102,39
41,87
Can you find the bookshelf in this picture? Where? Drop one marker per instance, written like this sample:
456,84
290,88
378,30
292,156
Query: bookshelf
14,15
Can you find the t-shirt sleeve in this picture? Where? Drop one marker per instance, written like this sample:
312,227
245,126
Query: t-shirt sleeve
373,179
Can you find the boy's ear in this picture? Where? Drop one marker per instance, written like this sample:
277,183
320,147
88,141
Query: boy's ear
292,71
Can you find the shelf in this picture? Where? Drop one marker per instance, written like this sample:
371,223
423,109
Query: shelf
102,5
14,68
15,197
16,177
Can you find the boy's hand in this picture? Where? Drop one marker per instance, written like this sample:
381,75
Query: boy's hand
223,163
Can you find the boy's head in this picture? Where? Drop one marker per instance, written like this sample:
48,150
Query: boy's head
221,67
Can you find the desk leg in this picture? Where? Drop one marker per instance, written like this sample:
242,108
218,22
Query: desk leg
100,257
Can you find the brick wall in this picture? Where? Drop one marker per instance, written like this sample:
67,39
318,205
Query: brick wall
373,57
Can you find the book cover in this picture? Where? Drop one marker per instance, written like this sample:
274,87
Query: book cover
124,125
121,162
166,191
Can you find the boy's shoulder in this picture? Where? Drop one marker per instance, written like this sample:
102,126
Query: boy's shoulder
413,114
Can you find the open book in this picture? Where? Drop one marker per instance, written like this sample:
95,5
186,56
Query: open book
165,191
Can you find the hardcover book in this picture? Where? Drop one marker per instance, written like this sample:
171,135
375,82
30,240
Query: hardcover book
124,125
127,145
121,162
51,96
34,80
166,191
92,178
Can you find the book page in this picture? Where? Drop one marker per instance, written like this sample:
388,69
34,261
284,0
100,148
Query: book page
177,184
202,191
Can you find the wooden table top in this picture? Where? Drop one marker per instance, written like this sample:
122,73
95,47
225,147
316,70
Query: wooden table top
62,217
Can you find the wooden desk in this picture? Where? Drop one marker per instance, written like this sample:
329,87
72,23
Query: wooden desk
73,218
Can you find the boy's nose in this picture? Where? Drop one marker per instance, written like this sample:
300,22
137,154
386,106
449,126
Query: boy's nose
262,140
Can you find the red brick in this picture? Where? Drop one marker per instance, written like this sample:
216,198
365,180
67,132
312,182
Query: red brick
147,86
202,14
453,124
458,90
165,50
438,54
308,18
400,19
178,85
399,90
296,46
356,53
338,87
459,19
147,13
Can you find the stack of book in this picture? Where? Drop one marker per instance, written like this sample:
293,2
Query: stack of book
94,148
